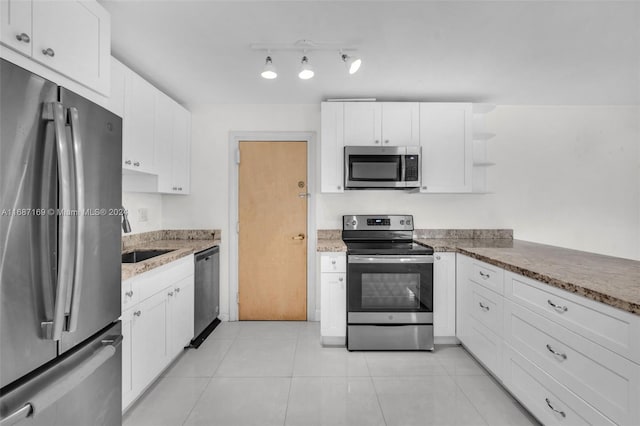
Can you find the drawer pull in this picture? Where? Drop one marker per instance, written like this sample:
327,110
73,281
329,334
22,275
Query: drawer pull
137,313
129,293
562,413
333,262
557,307
484,276
482,306
560,354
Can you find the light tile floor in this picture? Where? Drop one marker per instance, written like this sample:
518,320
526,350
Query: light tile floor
277,373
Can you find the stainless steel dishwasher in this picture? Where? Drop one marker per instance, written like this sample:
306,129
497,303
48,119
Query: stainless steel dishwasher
206,294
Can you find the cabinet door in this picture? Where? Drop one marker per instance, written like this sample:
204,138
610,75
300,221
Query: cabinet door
149,340
362,123
128,391
181,169
400,123
15,25
77,37
164,141
333,305
447,150
181,321
332,147
116,99
444,295
138,130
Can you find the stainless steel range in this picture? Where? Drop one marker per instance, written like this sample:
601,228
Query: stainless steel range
389,284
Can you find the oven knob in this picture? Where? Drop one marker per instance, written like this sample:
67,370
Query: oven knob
401,222
354,223
408,222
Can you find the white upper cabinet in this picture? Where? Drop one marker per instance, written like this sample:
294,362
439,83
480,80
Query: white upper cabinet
381,123
15,25
447,147
332,147
172,145
70,37
400,123
138,124
118,77
362,123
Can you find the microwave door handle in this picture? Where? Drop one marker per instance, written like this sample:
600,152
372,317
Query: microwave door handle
403,168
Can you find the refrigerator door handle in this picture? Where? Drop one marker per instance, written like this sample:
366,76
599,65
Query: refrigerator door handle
17,415
54,111
76,143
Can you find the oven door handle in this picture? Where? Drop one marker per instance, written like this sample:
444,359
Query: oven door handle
390,259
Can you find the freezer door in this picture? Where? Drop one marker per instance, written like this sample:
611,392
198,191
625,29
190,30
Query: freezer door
28,244
94,301
83,388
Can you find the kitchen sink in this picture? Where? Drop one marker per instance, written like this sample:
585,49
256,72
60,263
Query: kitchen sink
140,255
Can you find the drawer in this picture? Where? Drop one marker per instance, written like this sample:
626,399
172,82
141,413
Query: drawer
129,297
487,275
607,381
485,306
612,328
151,282
544,397
333,262
484,344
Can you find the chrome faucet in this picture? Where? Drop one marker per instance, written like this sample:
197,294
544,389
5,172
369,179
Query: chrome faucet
126,226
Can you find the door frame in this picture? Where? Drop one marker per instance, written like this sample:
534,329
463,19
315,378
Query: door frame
234,151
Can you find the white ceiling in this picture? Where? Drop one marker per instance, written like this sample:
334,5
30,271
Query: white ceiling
504,52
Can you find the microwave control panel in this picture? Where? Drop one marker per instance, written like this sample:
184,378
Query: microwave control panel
411,168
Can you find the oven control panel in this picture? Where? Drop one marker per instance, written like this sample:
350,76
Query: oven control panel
377,223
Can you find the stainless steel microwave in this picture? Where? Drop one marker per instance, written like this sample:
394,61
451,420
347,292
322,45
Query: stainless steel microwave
377,167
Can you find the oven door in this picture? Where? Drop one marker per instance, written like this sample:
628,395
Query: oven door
390,289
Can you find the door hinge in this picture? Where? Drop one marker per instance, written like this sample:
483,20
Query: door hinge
238,298
237,227
238,156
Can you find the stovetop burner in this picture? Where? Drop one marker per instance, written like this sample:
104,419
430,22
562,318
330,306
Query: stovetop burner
380,235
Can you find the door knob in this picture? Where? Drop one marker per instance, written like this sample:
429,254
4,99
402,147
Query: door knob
298,237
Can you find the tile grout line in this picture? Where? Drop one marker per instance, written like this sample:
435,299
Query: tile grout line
375,389
293,365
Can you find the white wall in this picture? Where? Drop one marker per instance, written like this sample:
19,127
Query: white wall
134,201
565,175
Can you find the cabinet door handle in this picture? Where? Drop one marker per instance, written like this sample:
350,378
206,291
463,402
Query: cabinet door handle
137,164
340,279
560,354
438,257
484,276
377,141
562,413
386,141
48,52
339,187
177,290
333,262
23,37
484,307
175,188
128,162
137,313
170,294
557,307
129,293
179,188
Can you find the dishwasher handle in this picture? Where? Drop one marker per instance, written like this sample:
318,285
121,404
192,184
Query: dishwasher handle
206,254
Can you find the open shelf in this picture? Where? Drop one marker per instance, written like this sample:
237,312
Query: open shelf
483,164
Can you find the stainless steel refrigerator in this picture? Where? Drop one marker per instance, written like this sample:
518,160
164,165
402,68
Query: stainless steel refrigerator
60,201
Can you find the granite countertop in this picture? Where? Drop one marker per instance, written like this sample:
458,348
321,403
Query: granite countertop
182,242
610,280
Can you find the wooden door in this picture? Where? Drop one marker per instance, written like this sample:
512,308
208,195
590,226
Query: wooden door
272,211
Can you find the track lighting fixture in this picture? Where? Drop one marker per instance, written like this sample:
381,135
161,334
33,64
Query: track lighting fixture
269,71
352,62
306,71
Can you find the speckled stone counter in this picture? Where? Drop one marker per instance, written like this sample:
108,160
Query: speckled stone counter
182,243
330,240
610,280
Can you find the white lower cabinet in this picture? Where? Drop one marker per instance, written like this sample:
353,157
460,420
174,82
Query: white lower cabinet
158,326
333,298
568,359
444,297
